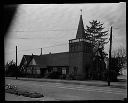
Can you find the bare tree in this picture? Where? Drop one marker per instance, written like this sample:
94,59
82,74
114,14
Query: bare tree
120,52
118,59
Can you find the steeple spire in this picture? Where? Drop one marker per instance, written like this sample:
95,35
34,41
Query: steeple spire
80,30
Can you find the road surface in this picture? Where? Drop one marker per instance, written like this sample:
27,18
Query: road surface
62,91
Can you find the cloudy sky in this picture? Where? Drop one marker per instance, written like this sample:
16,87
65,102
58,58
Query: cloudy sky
50,26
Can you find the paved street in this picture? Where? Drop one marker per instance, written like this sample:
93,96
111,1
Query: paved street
63,91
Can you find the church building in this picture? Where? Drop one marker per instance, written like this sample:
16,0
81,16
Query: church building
77,63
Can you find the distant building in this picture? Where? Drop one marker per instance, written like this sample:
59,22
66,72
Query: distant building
78,61
123,71
6,66
106,60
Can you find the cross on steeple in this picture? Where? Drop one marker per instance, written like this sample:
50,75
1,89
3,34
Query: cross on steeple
81,11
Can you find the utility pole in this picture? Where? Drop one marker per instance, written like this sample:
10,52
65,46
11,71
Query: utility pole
16,62
110,57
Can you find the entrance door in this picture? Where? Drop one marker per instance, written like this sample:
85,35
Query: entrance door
42,72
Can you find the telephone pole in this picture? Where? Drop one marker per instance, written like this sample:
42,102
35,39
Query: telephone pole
16,62
110,57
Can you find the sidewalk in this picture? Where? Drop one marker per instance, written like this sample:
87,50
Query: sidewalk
121,85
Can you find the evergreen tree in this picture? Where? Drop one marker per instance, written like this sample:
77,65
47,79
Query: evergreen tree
11,69
97,36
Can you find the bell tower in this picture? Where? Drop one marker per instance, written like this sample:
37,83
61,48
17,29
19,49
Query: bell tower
80,51
80,44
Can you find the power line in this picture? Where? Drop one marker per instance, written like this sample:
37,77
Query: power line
29,49
55,45
48,46
40,47
46,30
36,38
45,47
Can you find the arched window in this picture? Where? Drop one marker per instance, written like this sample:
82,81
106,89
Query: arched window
75,70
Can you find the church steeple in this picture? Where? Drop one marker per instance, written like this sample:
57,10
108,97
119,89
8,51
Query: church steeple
80,30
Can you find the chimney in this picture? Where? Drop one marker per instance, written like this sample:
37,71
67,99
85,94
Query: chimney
41,51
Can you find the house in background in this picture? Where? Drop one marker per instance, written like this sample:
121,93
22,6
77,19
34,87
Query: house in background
78,61
24,62
123,72
6,66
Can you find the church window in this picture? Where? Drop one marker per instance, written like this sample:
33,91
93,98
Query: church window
73,48
75,70
54,69
63,70
76,47
86,49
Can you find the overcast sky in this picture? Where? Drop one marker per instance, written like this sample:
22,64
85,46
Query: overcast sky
50,26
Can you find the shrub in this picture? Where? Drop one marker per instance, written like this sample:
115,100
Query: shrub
52,75
112,75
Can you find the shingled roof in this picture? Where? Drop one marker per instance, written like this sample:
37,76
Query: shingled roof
40,60
56,59
26,58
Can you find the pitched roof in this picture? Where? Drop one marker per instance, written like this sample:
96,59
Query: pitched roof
80,30
56,59
28,58
25,58
40,60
